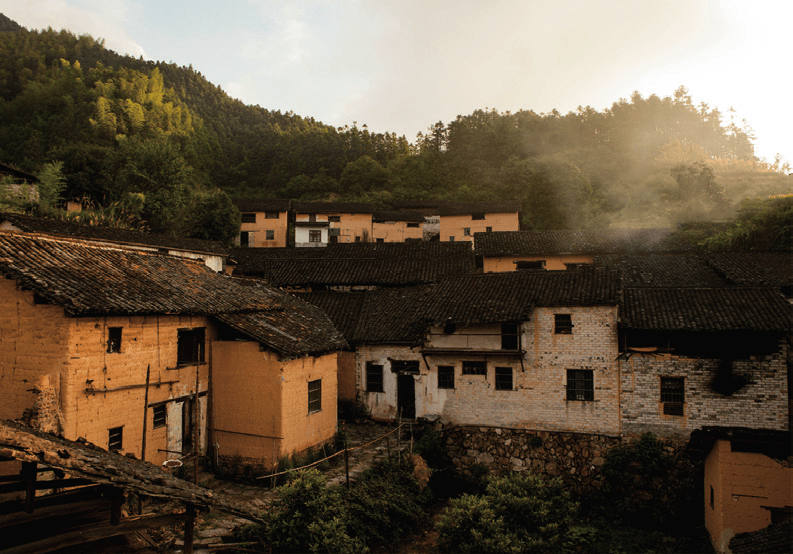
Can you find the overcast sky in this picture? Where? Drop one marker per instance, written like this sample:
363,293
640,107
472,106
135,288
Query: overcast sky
402,65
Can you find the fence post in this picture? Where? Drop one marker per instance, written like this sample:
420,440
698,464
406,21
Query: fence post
347,461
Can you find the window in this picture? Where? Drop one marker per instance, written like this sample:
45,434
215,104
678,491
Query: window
113,340
374,377
115,438
466,231
160,416
190,346
503,378
445,377
272,215
314,236
451,239
357,238
312,217
712,497
474,368
413,225
314,396
379,240
580,384
245,238
509,336
334,218
563,324
477,216
269,234
673,394
249,218
573,266
488,229
405,366
534,264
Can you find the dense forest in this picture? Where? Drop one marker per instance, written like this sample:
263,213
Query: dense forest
165,146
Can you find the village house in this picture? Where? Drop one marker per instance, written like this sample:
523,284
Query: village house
397,226
559,250
18,184
323,223
214,254
461,221
265,222
158,356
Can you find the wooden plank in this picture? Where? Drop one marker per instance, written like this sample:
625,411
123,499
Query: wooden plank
94,533
44,485
59,510
75,495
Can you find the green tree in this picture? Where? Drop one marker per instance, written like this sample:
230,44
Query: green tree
52,183
214,217
363,175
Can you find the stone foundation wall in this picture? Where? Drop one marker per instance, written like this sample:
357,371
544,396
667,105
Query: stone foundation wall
574,457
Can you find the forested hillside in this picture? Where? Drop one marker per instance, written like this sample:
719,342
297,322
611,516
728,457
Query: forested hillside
169,147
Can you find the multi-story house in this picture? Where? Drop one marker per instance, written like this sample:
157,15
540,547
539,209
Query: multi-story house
460,222
397,226
265,222
323,223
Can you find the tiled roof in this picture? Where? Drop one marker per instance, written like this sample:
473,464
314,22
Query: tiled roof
510,297
774,539
754,268
381,263
451,208
88,279
525,243
705,309
397,215
393,315
343,308
668,271
332,207
30,224
15,173
262,204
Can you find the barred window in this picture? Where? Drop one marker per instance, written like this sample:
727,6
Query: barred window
314,396
269,234
563,324
445,377
503,378
474,368
115,438
249,218
374,377
673,395
580,384
160,416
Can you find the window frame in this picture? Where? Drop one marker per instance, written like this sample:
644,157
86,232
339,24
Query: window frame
510,336
272,215
529,265
159,416
466,231
115,439
446,377
196,336
114,336
413,225
474,368
563,324
269,234
334,219
315,396
246,238
314,235
501,375
248,217
477,217
580,385
373,369
673,395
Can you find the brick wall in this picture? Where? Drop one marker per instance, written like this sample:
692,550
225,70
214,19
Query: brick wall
761,404
454,225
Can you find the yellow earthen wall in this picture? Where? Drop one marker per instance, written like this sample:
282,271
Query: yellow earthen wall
396,231
743,483
453,225
279,226
500,264
354,225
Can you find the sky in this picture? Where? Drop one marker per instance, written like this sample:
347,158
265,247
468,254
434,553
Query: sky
403,65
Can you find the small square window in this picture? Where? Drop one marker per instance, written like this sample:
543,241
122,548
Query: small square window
314,396
467,232
314,235
379,240
269,234
451,239
503,378
113,340
488,229
334,218
272,215
477,216
533,264
115,438
563,324
673,395
160,416
474,368
445,377
580,384
413,225
374,377
248,218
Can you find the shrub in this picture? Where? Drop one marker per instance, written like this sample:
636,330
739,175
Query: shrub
517,513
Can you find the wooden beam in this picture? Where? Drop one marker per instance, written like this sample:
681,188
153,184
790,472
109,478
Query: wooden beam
29,473
189,527
94,533
44,485
61,510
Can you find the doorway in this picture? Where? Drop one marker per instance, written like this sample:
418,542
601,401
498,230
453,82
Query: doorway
406,396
